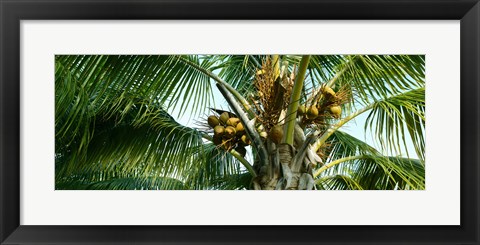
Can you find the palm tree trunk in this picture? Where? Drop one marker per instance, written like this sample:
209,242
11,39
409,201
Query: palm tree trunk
285,169
288,166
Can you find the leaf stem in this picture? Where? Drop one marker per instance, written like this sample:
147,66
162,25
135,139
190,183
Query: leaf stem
237,155
320,141
244,162
333,163
276,65
294,100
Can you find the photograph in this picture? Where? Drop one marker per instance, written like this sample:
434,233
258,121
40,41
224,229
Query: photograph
240,122
215,122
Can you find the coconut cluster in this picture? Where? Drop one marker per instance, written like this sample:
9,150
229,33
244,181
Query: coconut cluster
229,132
327,105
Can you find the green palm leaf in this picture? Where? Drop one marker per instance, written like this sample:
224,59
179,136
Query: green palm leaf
113,129
113,182
238,70
168,80
390,120
338,182
351,163
143,141
380,76
212,167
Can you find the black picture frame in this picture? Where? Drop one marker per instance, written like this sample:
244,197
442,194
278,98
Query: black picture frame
13,11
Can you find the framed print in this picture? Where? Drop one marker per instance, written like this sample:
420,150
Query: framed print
239,122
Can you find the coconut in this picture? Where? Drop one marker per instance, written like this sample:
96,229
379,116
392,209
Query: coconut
312,112
219,130
245,140
327,91
260,128
241,150
224,118
276,134
230,132
239,128
213,121
233,121
301,110
336,111
263,134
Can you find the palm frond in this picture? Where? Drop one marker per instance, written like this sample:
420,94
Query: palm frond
391,117
122,183
323,68
342,144
352,163
242,181
101,79
369,77
145,141
212,168
238,70
338,182
370,172
380,76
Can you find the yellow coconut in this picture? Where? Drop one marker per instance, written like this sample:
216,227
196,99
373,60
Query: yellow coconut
224,118
245,140
239,128
263,134
260,128
312,112
327,91
336,111
276,134
213,121
233,121
219,130
230,132
301,110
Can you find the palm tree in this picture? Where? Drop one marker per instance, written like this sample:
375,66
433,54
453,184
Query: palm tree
113,129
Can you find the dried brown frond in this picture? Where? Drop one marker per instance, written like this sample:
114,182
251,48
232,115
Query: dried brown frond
344,95
273,93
